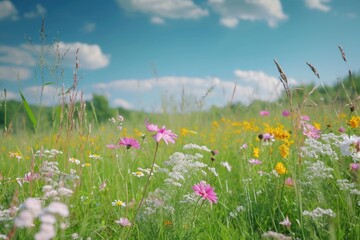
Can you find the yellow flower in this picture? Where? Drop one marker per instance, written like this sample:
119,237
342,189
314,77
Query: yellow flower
317,125
354,122
284,150
256,152
15,155
280,168
185,132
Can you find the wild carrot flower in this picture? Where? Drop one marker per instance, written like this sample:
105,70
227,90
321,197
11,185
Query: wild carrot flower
124,222
161,133
280,168
205,191
129,143
118,203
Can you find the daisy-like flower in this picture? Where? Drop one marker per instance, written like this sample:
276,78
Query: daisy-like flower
205,191
118,203
129,143
95,156
74,160
138,174
161,133
124,222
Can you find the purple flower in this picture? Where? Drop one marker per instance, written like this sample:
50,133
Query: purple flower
341,129
354,166
161,133
264,113
205,191
129,143
268,137
286,222
286,113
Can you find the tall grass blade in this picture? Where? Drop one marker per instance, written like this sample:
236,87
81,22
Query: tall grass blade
28,111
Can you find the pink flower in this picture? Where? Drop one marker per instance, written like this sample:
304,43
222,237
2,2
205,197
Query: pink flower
354,166
289,182
112,146
124,222
255,161
286,222
286,113
205,191
161,133
129,143
310,131
305,118
264,113
341,129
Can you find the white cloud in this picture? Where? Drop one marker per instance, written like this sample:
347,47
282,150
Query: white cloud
9,95
10,73
17,56
40,11
90,56
320,5
229,22
148,93
248,10
157,20
122,103
8,10
174,9
88,27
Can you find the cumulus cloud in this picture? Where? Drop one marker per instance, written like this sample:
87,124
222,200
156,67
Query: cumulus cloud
40,11
88,27
233,11
249,86
11,73
8,11
16,56
122,103
320,5
157,20
90,56
175,9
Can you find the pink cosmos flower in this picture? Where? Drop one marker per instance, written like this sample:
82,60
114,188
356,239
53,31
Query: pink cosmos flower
310,131
129,143
205,191
286,113
264,113
161,133
124,222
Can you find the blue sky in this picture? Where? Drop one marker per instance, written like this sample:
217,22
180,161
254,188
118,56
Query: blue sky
144,54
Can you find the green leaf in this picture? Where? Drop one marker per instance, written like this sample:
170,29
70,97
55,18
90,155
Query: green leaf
28,111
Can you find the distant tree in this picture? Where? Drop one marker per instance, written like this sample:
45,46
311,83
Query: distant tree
101,107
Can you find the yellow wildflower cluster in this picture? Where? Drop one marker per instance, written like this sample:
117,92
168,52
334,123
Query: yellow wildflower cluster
280,168
354,122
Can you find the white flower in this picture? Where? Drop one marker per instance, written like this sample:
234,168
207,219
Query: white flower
197,147
58,208
319,212
138,174
25,219
226,165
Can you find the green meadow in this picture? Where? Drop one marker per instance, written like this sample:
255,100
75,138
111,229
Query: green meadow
288,169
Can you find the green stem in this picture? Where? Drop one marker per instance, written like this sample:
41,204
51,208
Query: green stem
144,192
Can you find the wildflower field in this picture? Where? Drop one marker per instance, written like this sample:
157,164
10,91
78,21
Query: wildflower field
283,170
